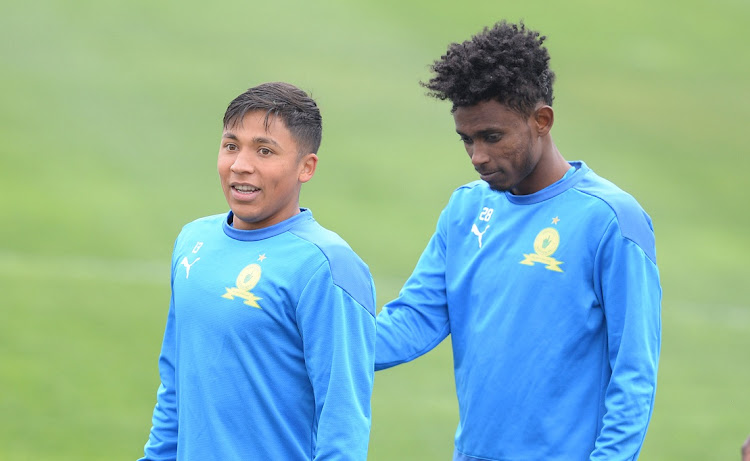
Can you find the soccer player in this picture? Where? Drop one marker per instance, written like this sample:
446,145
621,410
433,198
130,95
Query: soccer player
270,339
543,273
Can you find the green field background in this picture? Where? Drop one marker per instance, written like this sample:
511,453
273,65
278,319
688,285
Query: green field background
109,126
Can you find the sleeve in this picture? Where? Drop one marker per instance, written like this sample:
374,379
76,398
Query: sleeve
416,321
628,282
162,440
338,337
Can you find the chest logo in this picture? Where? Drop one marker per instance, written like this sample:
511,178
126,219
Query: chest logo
475,231
545,244
246,281
485,215
188,265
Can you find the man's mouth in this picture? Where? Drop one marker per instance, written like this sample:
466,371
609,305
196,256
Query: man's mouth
245,189
485,175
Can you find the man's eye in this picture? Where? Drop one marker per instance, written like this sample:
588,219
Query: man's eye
230,146
494,137
465,140
265,151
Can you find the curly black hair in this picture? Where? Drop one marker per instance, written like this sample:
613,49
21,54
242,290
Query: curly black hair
506,63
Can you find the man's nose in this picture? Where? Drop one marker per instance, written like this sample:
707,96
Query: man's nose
478,154
243,163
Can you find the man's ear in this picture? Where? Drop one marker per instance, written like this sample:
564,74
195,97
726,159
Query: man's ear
307,165
544,118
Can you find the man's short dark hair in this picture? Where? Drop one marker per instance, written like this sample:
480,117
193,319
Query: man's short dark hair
506,63
294,107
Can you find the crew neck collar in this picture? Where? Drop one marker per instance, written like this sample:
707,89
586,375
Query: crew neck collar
569,180
265,232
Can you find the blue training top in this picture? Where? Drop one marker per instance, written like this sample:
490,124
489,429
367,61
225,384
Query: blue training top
553,302
269,346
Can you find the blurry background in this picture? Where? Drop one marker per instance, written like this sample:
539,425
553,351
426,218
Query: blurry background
110,118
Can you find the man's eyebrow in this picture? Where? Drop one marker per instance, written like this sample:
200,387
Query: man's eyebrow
262,140
255,140
487,131
483,132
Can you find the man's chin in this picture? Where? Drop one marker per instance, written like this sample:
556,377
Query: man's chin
494,180
497,187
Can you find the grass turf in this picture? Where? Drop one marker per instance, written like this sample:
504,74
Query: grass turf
109,125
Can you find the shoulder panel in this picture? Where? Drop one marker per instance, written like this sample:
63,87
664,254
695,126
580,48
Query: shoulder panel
348,270
635,224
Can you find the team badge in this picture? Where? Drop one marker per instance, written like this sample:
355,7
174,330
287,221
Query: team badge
246,281
545,244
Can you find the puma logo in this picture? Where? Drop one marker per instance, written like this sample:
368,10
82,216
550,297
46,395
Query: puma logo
188,265
475,231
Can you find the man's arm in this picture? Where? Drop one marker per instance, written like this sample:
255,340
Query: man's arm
628,280
162,441
416,321
338,335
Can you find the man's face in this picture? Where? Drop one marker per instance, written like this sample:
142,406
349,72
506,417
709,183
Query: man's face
261,171
503,145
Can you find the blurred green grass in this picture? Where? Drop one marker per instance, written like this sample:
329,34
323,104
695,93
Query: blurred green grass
109,124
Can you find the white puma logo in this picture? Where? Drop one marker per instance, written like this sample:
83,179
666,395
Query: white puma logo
475,231
188,265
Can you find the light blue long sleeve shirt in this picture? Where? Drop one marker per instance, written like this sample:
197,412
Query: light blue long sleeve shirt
269,346
553,304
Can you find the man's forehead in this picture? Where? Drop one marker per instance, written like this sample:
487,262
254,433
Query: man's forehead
479,119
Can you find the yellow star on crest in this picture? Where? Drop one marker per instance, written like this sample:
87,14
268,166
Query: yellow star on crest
555,220
262,257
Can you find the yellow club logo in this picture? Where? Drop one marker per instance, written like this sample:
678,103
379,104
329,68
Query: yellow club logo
246,281
545,244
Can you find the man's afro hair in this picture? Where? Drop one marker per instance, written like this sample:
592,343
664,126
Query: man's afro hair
506,63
